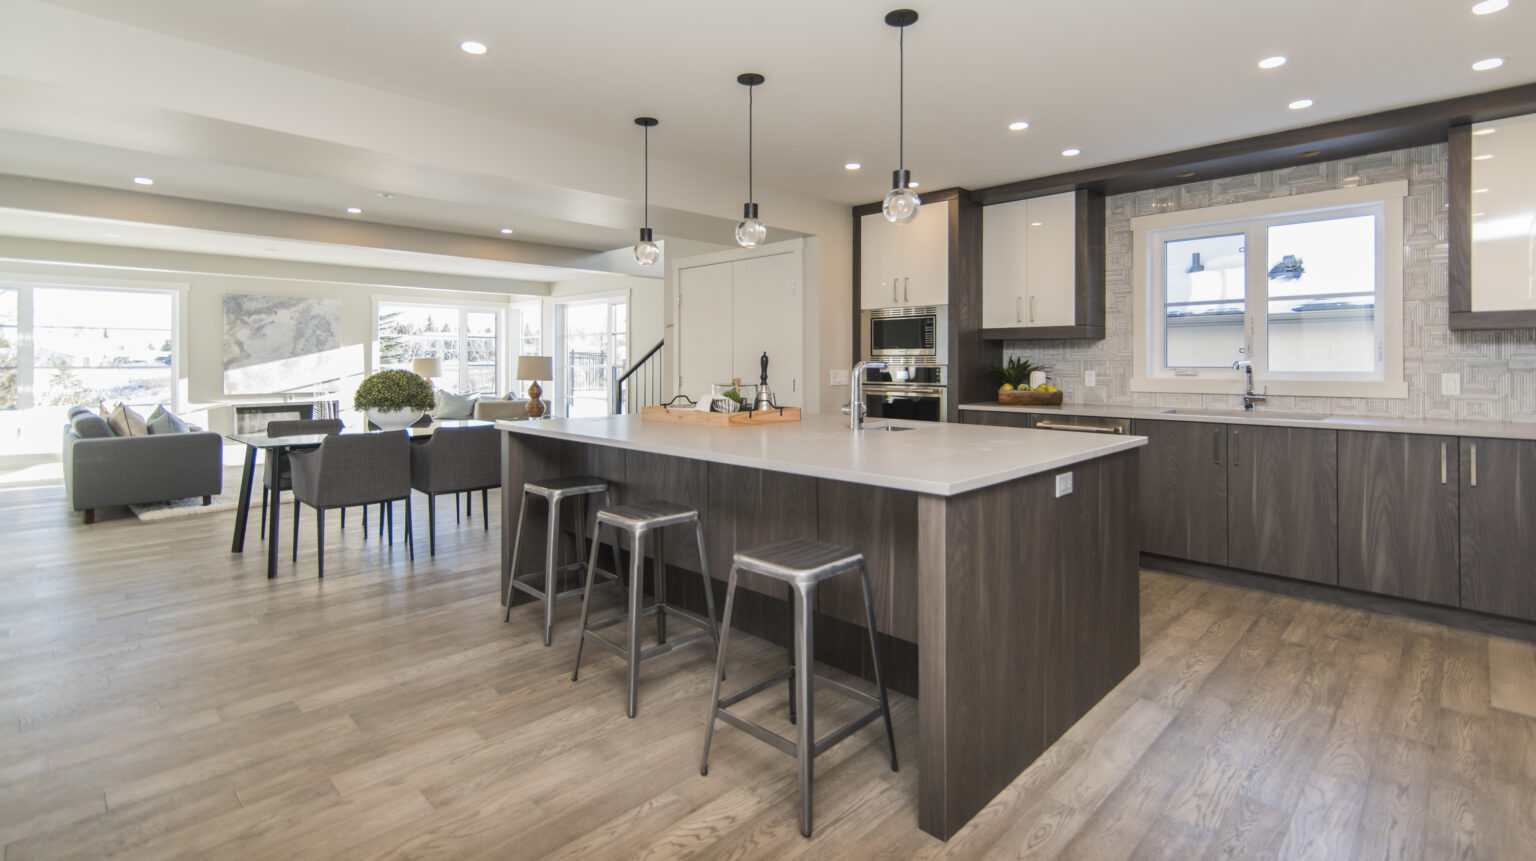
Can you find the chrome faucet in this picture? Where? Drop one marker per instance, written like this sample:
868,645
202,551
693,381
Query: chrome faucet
1250,397
855,408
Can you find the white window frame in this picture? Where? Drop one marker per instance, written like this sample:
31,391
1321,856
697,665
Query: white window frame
463,307
554,338
1151,233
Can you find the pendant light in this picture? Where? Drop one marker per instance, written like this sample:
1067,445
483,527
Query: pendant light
646,251
750,232
901,203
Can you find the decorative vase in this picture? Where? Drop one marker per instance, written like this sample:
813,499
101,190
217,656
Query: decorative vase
397,419
535,408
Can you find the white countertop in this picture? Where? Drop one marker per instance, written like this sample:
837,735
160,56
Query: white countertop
941,458
1489,430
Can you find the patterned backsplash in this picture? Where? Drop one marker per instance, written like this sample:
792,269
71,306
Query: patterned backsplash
1498,369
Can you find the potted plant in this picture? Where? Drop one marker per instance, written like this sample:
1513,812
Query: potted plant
1015,388
394,399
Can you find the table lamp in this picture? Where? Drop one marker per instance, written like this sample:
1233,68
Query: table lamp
427,368
533,369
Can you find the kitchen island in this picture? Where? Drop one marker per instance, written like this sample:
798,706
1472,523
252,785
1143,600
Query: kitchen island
1003,562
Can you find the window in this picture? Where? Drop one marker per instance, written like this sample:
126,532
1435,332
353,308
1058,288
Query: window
10,358
1307,288
528,327
594,352
466,339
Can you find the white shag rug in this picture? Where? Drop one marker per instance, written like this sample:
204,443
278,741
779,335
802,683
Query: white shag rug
184,507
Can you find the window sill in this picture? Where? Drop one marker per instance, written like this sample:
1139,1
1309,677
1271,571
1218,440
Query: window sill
1391,389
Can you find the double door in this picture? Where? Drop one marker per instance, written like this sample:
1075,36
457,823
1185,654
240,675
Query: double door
729,314
905,264
1028,263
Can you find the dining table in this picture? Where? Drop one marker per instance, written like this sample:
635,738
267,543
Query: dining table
274,446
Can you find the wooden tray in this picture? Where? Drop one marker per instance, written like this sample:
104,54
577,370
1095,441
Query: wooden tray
1029,399
691,416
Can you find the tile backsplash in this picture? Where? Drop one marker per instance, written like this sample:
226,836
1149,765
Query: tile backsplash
1497,369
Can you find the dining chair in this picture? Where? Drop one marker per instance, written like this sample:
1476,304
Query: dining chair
353,469
275,476
456,460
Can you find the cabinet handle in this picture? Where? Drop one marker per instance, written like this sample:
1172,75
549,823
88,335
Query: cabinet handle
1474,464
906,289
1442,463
1031,309
1018,309
1236,459
895,299
1216,446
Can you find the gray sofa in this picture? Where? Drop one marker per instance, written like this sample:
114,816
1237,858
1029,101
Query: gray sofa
102,469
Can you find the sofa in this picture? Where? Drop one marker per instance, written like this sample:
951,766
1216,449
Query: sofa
103,469
492,410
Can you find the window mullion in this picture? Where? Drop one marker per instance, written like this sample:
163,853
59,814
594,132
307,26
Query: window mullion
1256,303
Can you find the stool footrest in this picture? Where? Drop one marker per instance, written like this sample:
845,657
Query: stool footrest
758,688
652,651
788,745
521,584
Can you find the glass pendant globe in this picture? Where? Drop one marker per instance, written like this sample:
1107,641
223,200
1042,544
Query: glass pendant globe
646,252
901,205
751,233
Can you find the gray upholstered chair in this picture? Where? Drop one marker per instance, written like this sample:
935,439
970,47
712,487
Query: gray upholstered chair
353,469
275,475
455,460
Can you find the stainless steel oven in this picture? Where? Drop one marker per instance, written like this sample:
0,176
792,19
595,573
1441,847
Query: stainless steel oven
913,392
918,334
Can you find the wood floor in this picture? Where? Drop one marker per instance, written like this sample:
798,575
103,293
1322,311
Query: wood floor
160,698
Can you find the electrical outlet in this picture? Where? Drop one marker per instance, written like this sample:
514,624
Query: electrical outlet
1450,385
1063,484
839,378
1090,379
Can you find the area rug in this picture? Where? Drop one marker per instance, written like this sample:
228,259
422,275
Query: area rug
185,507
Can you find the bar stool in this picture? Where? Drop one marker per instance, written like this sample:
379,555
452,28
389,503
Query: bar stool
553,491
637,521
802,563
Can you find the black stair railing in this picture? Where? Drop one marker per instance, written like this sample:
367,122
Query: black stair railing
640,386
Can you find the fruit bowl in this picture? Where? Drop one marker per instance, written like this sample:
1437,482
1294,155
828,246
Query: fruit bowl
1029,399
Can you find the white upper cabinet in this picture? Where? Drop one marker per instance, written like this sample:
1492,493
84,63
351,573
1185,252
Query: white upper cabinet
1028,263
905,264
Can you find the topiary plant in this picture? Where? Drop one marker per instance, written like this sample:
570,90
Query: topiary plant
394,390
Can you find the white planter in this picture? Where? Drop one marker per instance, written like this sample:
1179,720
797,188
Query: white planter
393,419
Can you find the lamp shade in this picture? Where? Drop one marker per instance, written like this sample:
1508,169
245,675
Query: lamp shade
427,367
535,368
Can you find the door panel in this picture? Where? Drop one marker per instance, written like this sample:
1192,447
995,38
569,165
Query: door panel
1498,512
924,252
1398,521
766,318
1051,268
1184,490
1282,502
877,264
1004,252
704,328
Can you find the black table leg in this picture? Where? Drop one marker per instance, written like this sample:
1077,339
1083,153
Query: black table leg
243,511
272,525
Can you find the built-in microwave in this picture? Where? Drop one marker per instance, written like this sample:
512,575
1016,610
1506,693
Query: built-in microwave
914,335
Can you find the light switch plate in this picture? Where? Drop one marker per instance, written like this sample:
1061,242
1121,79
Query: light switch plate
1063,484
1450,385
1090,379
840,378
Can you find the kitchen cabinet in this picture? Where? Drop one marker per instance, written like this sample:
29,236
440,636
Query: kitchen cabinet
997,419
1028,264
1498,510
1282,502
1398,517
905,264
1184,490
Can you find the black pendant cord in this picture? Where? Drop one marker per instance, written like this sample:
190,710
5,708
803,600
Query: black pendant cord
647,211
749,143
901,99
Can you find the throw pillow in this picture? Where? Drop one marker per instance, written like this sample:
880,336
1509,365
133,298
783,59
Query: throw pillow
163,420
452,406
126,422
88,425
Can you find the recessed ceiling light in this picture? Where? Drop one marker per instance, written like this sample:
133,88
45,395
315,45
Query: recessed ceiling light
506,230
1478,214
112,235
1484,131
143,180
1485,65
1300,104
1071,152
1484,157
1274,62
1479,191
852,165
352,210
386,195
1036,223
469,46
1488,7
1018,126
1185,175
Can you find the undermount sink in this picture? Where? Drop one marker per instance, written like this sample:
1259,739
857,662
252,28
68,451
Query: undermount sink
1242,414
891,428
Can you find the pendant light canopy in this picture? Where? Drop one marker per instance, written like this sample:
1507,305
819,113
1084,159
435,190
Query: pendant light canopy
646,250
750,232
901,202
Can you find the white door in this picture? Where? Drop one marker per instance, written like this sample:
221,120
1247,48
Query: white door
1004,251
766,318
925,256
1052,263
878,266
704,326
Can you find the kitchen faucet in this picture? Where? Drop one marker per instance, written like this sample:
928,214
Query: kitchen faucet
1249,396
855,408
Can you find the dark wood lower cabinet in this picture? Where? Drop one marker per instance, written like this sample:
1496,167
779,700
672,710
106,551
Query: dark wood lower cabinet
1283,502
1184,490
1398,516
1498,526
995,418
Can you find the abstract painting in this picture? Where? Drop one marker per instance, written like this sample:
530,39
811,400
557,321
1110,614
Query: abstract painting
278,344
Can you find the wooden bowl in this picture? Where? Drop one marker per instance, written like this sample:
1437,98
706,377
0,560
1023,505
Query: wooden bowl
1029,399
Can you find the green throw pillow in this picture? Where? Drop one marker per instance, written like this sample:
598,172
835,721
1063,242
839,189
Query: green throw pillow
452,406
163,420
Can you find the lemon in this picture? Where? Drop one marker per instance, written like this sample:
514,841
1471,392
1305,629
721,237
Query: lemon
1007,387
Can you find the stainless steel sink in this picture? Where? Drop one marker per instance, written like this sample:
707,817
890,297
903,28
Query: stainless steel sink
1240,414
892,428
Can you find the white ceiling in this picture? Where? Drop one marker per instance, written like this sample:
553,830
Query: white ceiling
1119,79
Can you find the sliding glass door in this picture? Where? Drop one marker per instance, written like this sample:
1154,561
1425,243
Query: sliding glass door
594,351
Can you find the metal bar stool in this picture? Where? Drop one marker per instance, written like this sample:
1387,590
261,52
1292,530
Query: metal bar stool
801,563
638,520
554,491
